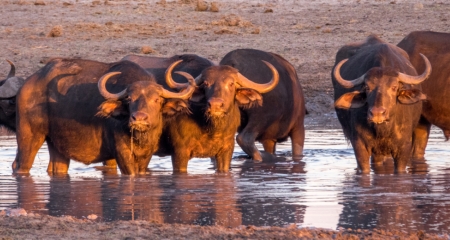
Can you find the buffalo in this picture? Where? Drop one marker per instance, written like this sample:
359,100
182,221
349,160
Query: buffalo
379,108
209,131
69,104
8,90
436,110
283,110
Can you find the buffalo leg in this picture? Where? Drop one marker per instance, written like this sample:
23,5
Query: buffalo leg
110,163
378,159
58,163
224,160
143,164
269,145
420,138
246,141
402,157
180,161
27,147
124,157
362,156
126,168
126,162
297,135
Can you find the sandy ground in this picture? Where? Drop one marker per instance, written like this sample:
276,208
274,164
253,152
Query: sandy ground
45,227
307,33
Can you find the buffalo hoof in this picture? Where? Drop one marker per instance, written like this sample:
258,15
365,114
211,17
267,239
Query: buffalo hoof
257,160
21,174
297,158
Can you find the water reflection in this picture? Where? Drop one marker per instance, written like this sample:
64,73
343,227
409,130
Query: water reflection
382,201
321,190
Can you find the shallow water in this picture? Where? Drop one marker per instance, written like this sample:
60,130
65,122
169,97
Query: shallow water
323,190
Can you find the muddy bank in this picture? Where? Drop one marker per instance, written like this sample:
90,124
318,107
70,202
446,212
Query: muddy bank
46,227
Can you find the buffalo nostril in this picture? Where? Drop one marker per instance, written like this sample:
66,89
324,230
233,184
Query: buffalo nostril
216,103
378,110
139,116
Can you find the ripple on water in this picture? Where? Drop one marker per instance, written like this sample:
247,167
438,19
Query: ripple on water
321,190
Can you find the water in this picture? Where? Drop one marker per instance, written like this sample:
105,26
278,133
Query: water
323,190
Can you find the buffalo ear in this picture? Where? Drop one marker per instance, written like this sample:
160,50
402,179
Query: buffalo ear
410,96
175,106
111,108
197,96
247,97
351,100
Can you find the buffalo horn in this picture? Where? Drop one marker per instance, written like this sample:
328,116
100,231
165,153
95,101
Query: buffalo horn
346,83
408,79
169,80
198,80
12,72
186,93
261,88
102,87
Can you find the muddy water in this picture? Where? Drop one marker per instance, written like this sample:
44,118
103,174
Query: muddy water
323,190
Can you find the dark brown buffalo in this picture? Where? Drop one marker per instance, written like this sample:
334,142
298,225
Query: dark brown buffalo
380,107
436,110
190,63
209,131
64,104
8,90
283,110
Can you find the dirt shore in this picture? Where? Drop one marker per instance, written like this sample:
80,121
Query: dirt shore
46,227
306,33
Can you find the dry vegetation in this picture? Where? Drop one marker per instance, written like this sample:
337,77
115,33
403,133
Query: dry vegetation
306,33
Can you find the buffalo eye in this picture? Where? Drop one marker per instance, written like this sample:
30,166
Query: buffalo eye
157,100
366,88
231,84
12,101
394,88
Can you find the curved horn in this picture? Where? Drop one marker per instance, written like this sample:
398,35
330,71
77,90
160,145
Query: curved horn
261,88
408,79
185,94
102,87
346,83
169,80
11,86
198,79
12,72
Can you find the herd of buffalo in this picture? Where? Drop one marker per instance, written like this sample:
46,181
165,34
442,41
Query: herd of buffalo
386,99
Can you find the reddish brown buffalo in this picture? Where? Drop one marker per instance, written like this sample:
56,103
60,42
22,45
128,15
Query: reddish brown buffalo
436,110
380,107
283,110
209,131
64,104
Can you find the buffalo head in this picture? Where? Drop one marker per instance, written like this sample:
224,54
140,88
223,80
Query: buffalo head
8,91
381,89
142,102
221,86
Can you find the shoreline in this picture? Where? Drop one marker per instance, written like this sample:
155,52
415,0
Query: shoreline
67,227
